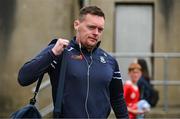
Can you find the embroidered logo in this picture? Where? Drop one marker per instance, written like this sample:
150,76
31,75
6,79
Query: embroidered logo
77,57
102,59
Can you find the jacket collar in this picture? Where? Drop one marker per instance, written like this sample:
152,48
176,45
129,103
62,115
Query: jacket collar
74,44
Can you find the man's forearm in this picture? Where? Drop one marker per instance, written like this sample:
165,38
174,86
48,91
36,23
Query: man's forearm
34,68
117,99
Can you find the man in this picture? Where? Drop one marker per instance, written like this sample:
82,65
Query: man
93,82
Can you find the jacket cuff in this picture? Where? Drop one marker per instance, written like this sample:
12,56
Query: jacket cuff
53,55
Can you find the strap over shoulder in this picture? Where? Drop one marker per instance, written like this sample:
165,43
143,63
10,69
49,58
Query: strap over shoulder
53,41
60,88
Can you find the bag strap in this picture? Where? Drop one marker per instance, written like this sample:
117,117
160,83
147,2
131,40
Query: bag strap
60,88
33,100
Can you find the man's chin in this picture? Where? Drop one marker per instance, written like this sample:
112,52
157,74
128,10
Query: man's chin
92,44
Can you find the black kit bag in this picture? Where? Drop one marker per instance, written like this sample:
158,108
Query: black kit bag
30,110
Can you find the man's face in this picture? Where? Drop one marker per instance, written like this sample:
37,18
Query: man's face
89,30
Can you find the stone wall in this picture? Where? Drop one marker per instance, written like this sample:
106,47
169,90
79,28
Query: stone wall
26,27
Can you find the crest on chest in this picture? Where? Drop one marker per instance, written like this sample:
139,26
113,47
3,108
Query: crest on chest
102,59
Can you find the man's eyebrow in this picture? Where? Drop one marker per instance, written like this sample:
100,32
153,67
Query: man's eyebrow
95,26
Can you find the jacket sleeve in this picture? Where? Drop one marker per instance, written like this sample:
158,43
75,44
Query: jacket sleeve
31,70
116,95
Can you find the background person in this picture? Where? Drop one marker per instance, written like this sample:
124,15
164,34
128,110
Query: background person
131,91
147,91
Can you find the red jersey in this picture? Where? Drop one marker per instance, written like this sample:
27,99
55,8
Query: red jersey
132,96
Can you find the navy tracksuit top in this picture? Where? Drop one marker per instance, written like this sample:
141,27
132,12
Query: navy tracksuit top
93,81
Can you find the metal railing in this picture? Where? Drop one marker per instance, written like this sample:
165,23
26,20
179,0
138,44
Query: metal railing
165,83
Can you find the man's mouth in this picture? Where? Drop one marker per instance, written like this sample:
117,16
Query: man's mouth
94,39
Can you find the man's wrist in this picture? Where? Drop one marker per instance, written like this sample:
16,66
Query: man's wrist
55,52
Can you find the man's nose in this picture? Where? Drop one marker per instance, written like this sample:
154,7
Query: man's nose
95,31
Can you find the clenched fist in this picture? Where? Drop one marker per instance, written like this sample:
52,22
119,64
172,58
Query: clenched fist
59,46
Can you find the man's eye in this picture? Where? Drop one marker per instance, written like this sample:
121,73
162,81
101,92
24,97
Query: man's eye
94,27
100,29
91,27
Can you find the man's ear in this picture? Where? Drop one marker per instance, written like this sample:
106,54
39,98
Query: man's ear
76,24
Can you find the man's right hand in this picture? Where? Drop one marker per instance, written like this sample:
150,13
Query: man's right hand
60,45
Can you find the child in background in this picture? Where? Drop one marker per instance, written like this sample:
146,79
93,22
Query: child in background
132,94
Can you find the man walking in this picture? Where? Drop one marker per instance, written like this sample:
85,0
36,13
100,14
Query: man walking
93,82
